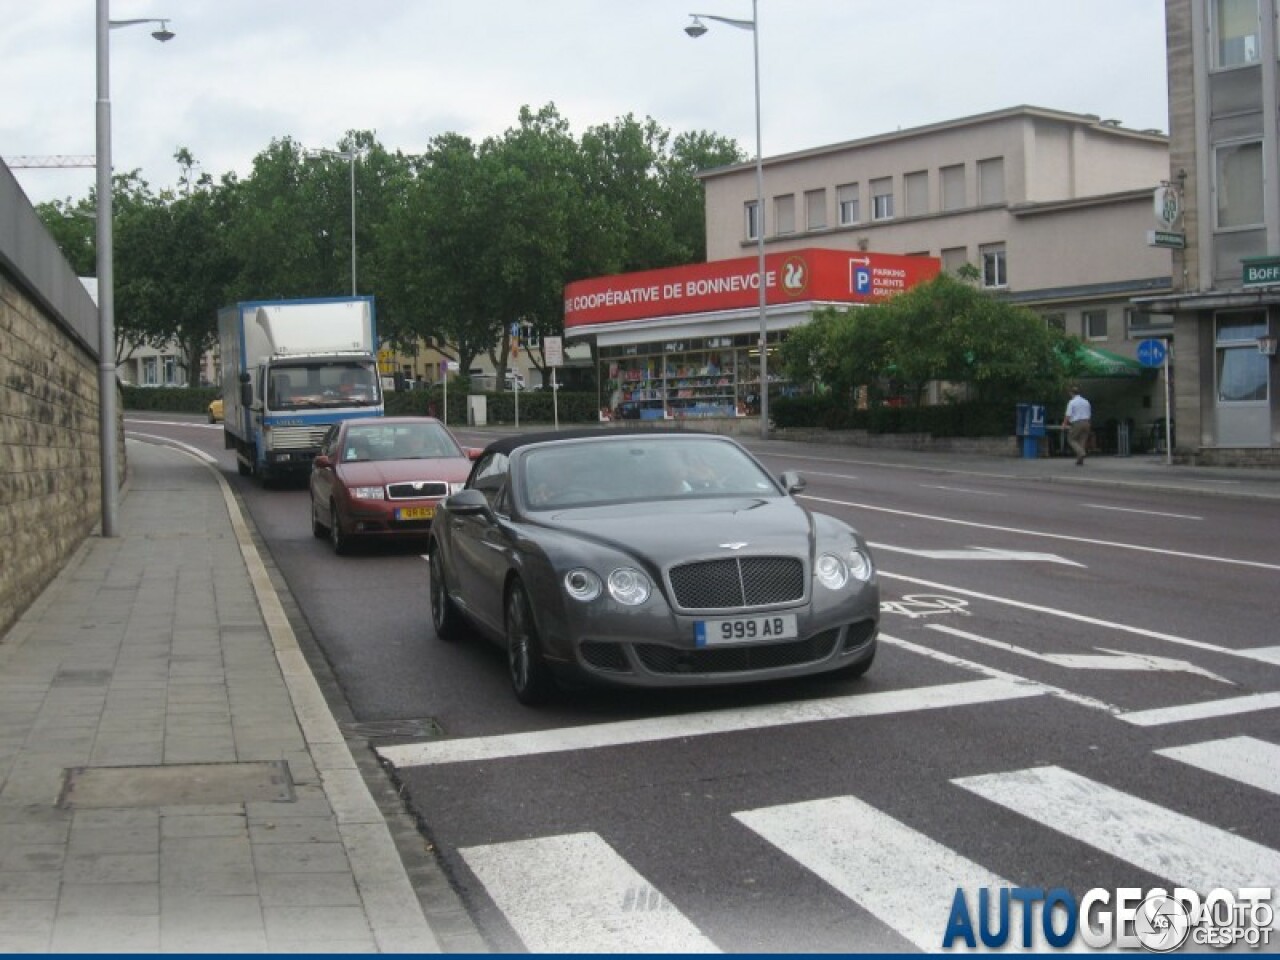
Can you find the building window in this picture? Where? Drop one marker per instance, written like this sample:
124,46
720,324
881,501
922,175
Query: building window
784,214
1095,324
1056,321
952,187
915,192
1238,176
150,371
1139,325
1235,32
882,199
170,371
991,180
994,268
752,215
1241,367
815,209
847,202
953,258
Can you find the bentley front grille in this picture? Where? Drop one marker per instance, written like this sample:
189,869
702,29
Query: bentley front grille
736,582
763,656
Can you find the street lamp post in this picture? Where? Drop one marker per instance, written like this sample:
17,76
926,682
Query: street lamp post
350,156
106,288
696,29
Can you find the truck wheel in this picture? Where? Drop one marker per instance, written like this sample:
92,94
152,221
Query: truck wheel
243,468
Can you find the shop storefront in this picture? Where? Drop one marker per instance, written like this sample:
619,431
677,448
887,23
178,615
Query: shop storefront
685,341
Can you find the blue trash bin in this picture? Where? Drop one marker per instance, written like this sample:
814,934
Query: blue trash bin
1031,427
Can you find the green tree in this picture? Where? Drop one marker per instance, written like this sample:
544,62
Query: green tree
941,330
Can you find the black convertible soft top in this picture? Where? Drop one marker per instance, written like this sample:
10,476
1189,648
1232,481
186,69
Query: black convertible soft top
518,440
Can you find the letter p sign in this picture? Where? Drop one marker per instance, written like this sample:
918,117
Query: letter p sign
861,280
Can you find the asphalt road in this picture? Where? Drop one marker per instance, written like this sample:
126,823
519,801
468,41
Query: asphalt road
1078,687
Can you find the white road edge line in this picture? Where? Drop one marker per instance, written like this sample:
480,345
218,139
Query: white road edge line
652,729
1256,564
1146,513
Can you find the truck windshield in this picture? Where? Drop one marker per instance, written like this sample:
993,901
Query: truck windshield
336,384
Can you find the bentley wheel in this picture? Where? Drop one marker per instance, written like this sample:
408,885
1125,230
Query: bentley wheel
341,542
445,616
530,676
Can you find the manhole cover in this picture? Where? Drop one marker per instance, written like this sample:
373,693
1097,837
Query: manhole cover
176,785
415,729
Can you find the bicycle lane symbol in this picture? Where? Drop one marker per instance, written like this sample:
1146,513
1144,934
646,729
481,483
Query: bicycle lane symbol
915,606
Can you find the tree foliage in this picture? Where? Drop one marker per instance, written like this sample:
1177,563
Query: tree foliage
945,331
456,243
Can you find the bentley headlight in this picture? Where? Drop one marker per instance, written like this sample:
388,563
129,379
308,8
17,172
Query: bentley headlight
629,586
582,585
831,571
860,565
368,493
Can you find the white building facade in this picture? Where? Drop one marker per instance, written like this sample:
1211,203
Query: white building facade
1052,208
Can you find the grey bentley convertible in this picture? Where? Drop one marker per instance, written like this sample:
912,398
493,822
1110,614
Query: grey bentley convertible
648,558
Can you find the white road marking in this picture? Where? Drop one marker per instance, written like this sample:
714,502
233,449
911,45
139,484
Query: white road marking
1107,660
623,732
1243,759
984,670
574,894
1203,711
1174,847
938,486
1148,513
1040,533
1264,654
902,877
976,553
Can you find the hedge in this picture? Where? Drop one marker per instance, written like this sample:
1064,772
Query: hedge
946,420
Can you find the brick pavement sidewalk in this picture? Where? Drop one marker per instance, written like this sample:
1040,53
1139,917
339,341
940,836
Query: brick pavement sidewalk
171,778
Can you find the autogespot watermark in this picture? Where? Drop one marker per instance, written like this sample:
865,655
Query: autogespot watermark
1126,918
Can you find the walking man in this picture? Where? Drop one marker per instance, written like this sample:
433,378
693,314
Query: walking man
1076,423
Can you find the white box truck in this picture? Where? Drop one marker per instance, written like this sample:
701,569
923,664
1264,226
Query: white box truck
290,370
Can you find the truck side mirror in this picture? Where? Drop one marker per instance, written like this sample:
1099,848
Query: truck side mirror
246,392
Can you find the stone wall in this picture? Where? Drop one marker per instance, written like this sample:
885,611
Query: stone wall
50,493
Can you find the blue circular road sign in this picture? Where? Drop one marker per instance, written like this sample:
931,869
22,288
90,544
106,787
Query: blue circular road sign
1151,353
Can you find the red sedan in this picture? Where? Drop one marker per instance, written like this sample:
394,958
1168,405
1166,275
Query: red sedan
383,477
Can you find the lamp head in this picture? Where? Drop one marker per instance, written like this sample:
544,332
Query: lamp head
164,34
696,29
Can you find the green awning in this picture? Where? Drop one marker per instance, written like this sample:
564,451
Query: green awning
1097,363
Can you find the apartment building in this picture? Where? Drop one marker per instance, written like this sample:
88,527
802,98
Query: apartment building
1053,208
1223,103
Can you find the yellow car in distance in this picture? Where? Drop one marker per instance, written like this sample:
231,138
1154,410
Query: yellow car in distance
215,410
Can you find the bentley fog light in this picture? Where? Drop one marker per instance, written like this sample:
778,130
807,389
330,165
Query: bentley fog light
582,585
628,586
831,571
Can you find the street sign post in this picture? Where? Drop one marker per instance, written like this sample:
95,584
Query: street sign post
1151,353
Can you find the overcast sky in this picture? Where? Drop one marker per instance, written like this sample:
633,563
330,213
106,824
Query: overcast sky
241,72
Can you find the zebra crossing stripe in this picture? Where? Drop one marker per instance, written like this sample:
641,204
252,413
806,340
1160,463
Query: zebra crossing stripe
574,894
464,749
1243,759
1170,845
1203,711
903,878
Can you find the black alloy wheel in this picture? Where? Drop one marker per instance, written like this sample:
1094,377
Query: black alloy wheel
530,677
341,542
445,615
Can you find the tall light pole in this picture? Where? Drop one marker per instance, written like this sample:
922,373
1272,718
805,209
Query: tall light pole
350,156
106,287
696,29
